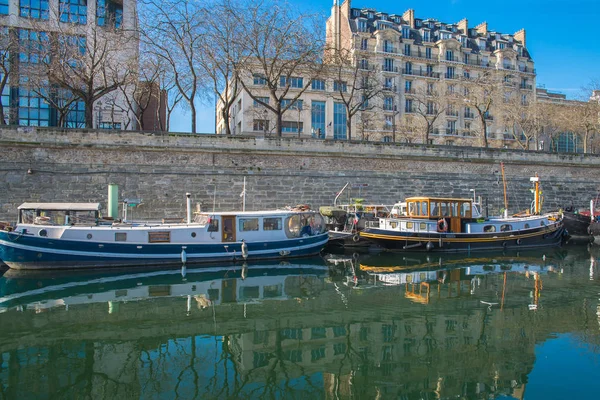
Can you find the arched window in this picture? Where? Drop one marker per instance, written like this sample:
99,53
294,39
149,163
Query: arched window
567,142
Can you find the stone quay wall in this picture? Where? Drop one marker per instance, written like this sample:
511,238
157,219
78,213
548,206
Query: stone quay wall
50,165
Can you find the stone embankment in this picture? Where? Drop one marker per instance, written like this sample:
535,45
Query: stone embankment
77,165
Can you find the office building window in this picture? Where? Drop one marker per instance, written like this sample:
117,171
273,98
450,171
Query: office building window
109,13
33,110
3,7
293,105
73,11
259,101
260,80
32,45
340,86
292,127
76,115
294,81
37,9
318,84
339,121
388,103
428,52
317,119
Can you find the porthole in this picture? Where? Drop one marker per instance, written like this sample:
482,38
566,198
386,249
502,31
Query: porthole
89,236
43,233
542,223
193,234
526,226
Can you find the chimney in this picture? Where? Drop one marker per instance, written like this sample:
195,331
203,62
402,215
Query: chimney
521,37
409,17
463,25
482,28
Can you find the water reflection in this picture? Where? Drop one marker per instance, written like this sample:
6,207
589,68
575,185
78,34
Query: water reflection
351,327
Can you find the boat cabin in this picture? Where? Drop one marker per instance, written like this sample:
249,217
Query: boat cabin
59,213
452,211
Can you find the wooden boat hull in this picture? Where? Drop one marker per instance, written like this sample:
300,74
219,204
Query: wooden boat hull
461,242
576,224
20,251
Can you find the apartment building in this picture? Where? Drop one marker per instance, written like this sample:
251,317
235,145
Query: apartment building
430,72
28,26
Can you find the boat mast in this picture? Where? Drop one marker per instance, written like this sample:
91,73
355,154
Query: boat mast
340,193
505,197
537,206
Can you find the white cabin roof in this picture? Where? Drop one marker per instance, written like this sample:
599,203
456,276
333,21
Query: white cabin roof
61,206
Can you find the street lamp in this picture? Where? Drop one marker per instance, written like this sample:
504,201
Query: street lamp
265,112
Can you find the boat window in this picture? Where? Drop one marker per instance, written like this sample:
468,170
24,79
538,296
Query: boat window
435,209
248,224
422,226
542,223
120,236
505,228
270,291
317,223
159,237
411,208
423,208
272,224
489,228
213,225
51,218
82,217
444,209
527,226
27,216
393,225
454,209
465,210
43,233
292,226
409,225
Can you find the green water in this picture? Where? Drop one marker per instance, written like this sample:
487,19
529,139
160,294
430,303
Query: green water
372,327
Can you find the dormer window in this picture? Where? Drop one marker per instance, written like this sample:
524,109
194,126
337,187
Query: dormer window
405,32
384,17
356,13
500,45
362,25
418,23
370,15
426,36
482,44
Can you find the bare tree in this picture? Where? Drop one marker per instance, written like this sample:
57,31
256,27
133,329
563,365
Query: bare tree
281,54
220,49
7,47
429,106
483,90
173,29
79,64
355,83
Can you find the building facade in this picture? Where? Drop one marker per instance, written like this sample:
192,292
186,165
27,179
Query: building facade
430,74
31,27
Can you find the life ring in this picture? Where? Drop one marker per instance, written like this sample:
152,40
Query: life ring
355,238
518,241
442,225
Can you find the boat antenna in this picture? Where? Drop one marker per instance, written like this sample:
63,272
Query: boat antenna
505,197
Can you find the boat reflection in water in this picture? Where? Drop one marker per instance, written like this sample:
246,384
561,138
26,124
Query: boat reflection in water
348,328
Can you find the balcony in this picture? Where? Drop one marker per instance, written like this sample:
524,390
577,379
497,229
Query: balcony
388,68
389,49
509,67
451,113
428,74
526,86
390,88
527,70
410,90
389,107
469,115
489,117
409,110
451,59
450,76
451,132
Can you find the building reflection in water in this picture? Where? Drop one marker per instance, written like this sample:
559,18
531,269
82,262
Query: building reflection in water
462,328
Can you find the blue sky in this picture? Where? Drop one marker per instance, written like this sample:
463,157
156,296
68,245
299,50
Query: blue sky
563,37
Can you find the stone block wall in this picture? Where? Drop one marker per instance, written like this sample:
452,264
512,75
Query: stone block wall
77,166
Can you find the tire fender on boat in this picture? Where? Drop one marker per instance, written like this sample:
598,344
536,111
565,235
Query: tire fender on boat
518,241
355,238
